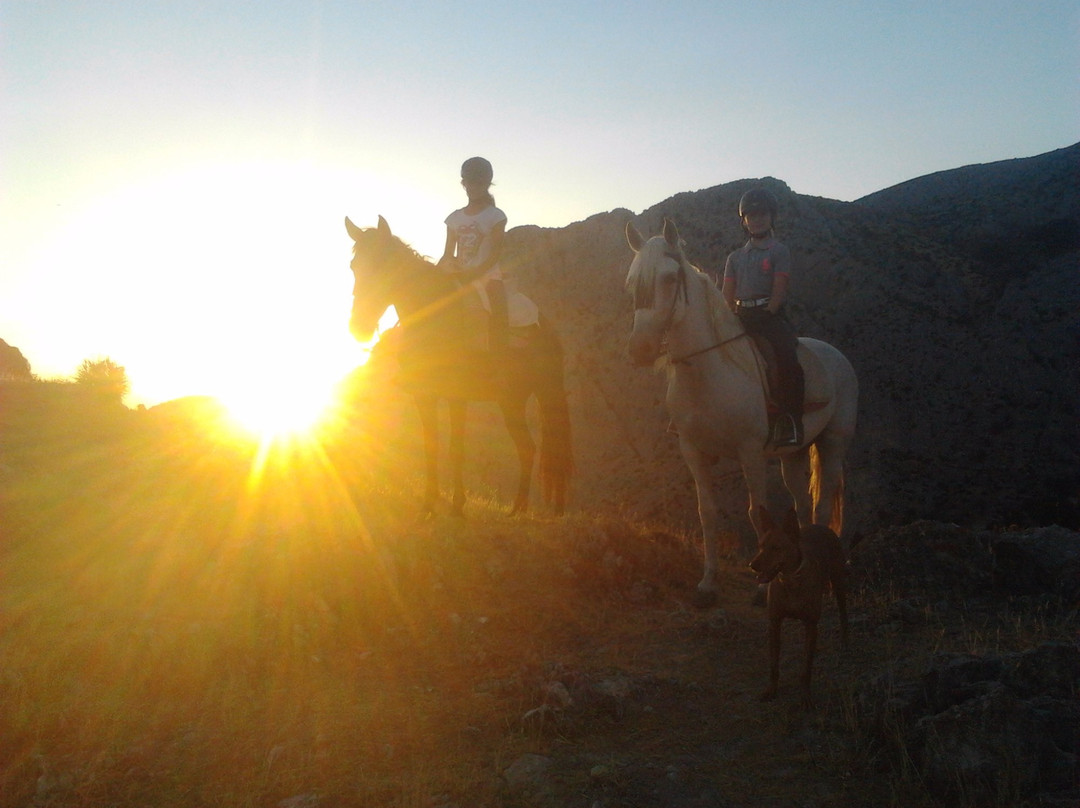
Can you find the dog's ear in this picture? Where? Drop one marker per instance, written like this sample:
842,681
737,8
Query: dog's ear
791,524
765,518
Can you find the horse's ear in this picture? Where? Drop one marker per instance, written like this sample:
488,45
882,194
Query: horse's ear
352,229
671,233
384,228
791,523
633,237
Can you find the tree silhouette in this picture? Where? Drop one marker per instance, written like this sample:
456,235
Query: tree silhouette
13,365
105,376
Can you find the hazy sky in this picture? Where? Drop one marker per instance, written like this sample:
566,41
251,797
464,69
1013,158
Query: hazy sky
173,176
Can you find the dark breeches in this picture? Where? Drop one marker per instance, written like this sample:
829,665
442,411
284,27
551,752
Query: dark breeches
775,328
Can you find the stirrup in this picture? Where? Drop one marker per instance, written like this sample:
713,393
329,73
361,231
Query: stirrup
785,431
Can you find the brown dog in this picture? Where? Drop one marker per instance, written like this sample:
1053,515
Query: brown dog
797,565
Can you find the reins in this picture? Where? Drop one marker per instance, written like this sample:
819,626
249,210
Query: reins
683,360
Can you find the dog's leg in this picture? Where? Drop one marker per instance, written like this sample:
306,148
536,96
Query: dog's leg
839,588
811,647
774,659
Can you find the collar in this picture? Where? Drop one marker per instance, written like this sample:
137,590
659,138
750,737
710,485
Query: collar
765,244
793,577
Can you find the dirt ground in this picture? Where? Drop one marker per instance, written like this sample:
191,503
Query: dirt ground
186,622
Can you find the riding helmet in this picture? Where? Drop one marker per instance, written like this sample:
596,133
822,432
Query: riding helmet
758,200
477,170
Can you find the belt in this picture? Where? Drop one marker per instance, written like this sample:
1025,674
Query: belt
752,303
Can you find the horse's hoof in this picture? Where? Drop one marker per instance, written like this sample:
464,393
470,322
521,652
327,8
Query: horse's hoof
704,598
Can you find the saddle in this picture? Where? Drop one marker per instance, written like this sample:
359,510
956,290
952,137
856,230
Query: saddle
521,311
450,352
523,317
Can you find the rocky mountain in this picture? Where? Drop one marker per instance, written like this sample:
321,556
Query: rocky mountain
954,295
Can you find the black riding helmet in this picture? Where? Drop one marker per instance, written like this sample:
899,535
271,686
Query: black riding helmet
758,200
477,170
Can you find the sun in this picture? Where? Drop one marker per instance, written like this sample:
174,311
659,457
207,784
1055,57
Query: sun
277,412
291,389
271,399
222,279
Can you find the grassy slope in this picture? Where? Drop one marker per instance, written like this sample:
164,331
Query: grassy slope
186,621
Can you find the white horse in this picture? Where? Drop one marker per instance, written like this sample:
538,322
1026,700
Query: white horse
717,397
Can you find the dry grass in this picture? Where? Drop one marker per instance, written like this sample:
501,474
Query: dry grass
187,621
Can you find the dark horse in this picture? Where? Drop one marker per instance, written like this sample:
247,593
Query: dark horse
439,360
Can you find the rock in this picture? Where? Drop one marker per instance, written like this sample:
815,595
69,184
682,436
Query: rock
310,800
987,749
984,730
529,777
1039,561
953,679
1052,669
954,296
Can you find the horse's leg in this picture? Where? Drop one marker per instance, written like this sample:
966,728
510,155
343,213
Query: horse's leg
457,453
752,460
796,471
513,411
427,407
700,467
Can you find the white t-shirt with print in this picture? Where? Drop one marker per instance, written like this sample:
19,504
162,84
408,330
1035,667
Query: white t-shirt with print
473,236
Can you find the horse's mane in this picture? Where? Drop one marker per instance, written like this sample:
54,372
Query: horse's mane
400,253
726,326
641,279
640,283
719,314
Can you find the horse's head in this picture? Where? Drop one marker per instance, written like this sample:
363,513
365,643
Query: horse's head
656,281
373,276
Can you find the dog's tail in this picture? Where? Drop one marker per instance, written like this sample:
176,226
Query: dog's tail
836,512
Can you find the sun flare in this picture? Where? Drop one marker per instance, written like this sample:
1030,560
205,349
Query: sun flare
277,414
242,295
289,390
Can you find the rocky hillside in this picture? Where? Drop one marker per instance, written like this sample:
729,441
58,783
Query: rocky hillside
954,295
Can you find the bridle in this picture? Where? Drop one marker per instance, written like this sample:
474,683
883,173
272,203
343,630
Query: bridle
682,287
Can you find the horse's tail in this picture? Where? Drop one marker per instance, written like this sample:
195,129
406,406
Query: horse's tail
836,519
556,455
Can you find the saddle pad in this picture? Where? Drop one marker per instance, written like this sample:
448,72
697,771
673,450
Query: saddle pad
520,310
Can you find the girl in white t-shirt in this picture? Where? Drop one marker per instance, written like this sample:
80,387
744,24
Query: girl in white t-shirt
474,237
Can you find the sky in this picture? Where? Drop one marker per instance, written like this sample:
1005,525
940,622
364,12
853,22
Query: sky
174,176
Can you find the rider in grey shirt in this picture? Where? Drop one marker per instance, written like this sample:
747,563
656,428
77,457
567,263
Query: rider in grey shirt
755,287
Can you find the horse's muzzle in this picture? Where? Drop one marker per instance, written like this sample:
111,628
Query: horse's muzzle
361,331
